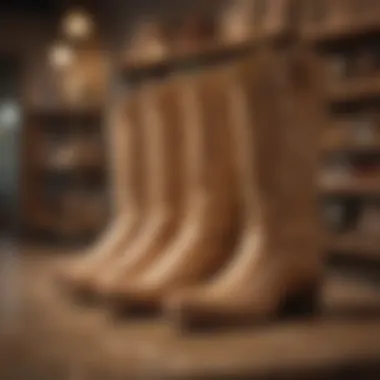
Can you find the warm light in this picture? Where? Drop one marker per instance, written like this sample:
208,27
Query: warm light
77,25
61,56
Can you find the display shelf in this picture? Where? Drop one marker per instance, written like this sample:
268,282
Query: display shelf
351,148
64,129
357,188
355,89
346,41
211,55
140,69
73,173
90,164
321,34
355,244
64,113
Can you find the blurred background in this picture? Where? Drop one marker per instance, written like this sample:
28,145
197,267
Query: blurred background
63,64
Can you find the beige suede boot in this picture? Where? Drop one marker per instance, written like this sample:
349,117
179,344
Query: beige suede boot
162,137
275,115
203,242
126,192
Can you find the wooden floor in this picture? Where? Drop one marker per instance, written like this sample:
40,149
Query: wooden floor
47,336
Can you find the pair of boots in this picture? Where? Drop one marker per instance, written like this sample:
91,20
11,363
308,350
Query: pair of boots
246,139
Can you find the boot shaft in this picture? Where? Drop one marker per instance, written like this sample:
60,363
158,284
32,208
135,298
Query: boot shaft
207,138
125,155
285,108
164,135
259,129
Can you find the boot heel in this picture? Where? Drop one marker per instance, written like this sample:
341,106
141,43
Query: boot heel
302,303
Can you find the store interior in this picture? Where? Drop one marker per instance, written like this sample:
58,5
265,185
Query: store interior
190,189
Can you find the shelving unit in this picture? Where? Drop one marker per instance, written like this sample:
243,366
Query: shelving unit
66,167
65,193
345,33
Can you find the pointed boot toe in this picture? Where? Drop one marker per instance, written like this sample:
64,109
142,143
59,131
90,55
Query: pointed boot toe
83,290
69,277
75,283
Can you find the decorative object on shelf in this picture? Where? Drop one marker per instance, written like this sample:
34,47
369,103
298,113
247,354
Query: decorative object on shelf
70,88
337,172
61,56
362,130
73,154
77,24
148,44
235,22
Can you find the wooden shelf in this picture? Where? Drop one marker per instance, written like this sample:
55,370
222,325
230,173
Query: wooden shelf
212,55
355,89
61,226
64,112
75,168
218,53
351,148
90,178
356,245
336,33
358,188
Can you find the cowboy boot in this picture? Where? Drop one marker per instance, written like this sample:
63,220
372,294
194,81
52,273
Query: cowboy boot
203,241
277,262
163,139
125,151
